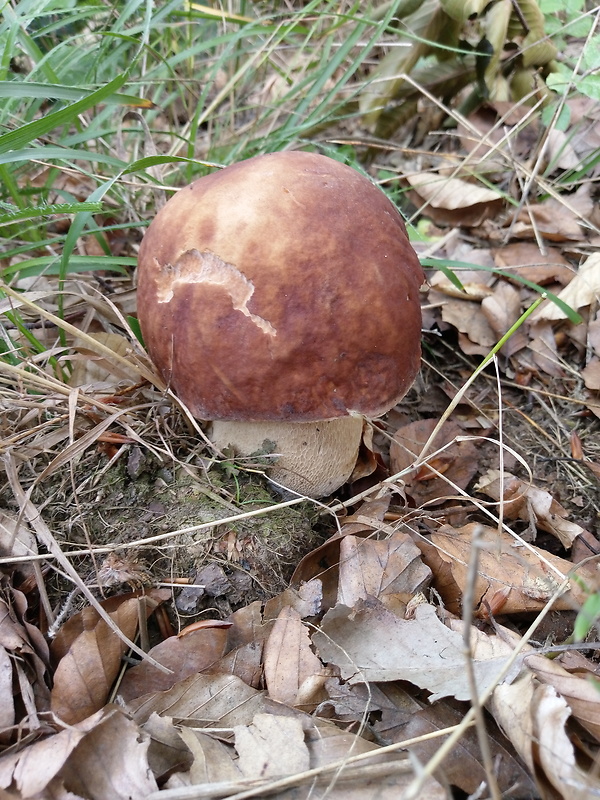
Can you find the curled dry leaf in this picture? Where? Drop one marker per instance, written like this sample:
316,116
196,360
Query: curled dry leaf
167,750
105,756
511,578
524,501
581,694
475,283
533,717
24,666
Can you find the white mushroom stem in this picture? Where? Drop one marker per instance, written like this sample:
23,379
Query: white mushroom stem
312,458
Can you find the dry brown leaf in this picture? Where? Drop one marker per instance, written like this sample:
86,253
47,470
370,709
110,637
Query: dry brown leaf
502,309
7,703
306,600
391,570
453,201
457,462
583,290
245,662
543,349
271,746
369,643
103,757
524,259
16,539
463,766
214,697
285,746
581,694
86,672
213,760
322,563
495,128
167,750
293,673
511,578
183,655
533,718
556,220
533,505
468,318
591,374
89,655
475,283
247,625
353,703
25,661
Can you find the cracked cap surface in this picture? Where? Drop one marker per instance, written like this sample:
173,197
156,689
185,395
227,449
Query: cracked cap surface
283,287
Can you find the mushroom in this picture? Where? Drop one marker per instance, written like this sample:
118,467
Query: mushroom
279,299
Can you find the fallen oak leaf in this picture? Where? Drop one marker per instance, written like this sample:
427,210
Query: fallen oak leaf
370,643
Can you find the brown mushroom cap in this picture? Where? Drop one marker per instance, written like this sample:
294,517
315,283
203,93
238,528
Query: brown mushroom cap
283,288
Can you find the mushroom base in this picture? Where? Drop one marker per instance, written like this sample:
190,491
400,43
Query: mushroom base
311,458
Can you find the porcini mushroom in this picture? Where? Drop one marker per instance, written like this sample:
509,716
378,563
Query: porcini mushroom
279,298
